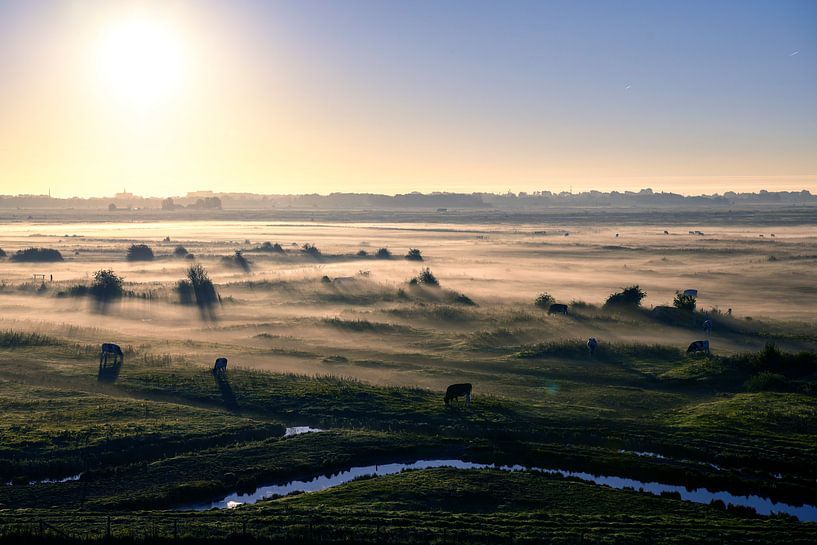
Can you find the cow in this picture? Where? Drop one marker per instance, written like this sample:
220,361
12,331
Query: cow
666,232
708,327
111,349
220,367
592,343
455,391
698,346
557,308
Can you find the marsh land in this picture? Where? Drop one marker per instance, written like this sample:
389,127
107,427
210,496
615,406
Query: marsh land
639,442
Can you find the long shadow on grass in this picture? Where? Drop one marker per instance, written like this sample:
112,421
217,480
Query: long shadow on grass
227,394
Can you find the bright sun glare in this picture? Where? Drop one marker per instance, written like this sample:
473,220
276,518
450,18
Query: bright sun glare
140,61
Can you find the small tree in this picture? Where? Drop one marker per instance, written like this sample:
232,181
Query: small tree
270,247
383,253
139,252
203,288
628,297
180,251
427,278
362,253
107,285
311,250
684,302
414,255
544,300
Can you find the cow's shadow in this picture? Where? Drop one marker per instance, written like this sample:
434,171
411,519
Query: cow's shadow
109,373
227,395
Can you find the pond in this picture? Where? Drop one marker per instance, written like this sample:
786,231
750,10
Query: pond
763,506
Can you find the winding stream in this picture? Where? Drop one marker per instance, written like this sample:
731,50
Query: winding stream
763,506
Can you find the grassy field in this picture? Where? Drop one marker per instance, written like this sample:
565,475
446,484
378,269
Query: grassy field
365,355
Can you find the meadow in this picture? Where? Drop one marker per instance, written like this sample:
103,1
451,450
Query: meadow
322,327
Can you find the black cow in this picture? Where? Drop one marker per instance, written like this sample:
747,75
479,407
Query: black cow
455,391
557,308
111,349
698,346
220,367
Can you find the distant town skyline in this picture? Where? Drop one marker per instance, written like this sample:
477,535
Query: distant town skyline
315,96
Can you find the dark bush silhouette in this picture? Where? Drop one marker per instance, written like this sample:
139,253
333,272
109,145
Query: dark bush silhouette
362,253
185,290
139,252
684,302
383,253
462,299
311,250
107,285
2,253
414,255
427,278
180,251
270,247
203,289
544,300
767,381
37,255
237,260
628,297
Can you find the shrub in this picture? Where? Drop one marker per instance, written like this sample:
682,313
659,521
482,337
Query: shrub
107,285
203,289
37,255
362,253
382,253
544,300
2,253
462,299
767,381
311,250
185,290
427,278
684,302
180,251
628,297
270,247
237,260
139,252
414,255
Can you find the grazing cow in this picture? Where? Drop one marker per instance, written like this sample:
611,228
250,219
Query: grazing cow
698,346
111,349
455,391
666,232
708,327
592,343
220,366
616,235
557,308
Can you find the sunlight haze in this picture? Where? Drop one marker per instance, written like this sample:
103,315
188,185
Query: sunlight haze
162,98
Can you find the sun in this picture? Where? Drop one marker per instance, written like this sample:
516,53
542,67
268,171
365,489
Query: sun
140,61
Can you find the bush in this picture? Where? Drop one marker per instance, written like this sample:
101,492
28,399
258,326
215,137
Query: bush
37,255
628,297
2,253
139,252
107,285
185,290
414,255
383,253
544,300
427,278
203,289
311,250
180,251
270,247
237,260
684,302
362,253
767,381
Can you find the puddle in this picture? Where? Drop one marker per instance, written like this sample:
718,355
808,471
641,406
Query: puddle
298,430
763,506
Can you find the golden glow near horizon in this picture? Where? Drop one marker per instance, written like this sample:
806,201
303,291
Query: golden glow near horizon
170,97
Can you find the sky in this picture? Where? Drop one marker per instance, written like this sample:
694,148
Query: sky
308,96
